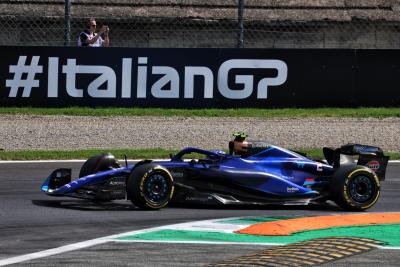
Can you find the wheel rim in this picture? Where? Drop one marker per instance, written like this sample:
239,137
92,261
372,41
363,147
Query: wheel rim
156,188
362,189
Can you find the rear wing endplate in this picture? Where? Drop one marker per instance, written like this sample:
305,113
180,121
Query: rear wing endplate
369,156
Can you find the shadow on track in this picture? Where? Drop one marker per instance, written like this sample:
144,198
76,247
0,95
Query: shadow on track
127,206
85,205
319,207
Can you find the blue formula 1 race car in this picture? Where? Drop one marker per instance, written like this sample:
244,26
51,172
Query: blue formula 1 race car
251,173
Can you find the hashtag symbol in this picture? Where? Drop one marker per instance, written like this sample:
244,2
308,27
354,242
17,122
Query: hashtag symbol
22,68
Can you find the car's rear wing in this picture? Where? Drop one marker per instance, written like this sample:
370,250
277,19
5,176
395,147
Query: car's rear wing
369,156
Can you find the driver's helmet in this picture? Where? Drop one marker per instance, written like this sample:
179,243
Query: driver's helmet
239,146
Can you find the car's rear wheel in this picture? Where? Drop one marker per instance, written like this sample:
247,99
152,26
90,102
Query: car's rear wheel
101,162
150,186
355,188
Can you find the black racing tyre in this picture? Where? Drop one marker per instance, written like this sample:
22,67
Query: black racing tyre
355,188
101,162
150,186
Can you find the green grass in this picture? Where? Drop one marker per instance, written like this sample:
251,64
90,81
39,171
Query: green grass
86,153
154,153
241,112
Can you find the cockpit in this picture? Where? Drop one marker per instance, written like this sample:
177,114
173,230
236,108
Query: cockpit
240,147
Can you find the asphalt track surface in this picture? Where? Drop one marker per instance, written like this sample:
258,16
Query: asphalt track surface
31,222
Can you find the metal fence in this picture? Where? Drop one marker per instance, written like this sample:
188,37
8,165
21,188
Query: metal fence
191,23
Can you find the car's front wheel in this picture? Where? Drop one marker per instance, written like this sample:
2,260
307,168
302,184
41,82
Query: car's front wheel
355,188
150,186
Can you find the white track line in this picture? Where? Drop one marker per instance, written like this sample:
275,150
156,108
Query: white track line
200,242
53,251
111,238
90,243
383,247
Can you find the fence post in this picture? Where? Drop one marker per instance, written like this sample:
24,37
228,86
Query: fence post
67,23
240,23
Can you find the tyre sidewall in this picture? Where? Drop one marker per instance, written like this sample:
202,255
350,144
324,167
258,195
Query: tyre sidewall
136,186
340,187
90,165
100,162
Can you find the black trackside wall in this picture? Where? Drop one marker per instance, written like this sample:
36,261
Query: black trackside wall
198,78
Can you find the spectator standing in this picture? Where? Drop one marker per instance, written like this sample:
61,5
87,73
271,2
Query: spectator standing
90,38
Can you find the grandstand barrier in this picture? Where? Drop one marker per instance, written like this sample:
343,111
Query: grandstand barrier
198,78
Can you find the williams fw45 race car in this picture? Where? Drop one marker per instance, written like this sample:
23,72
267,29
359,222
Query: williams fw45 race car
254,173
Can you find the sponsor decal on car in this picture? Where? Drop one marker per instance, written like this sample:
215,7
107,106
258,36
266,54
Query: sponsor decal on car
200,199
116,183
373,165
319,167
176,174
300,165
292,189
